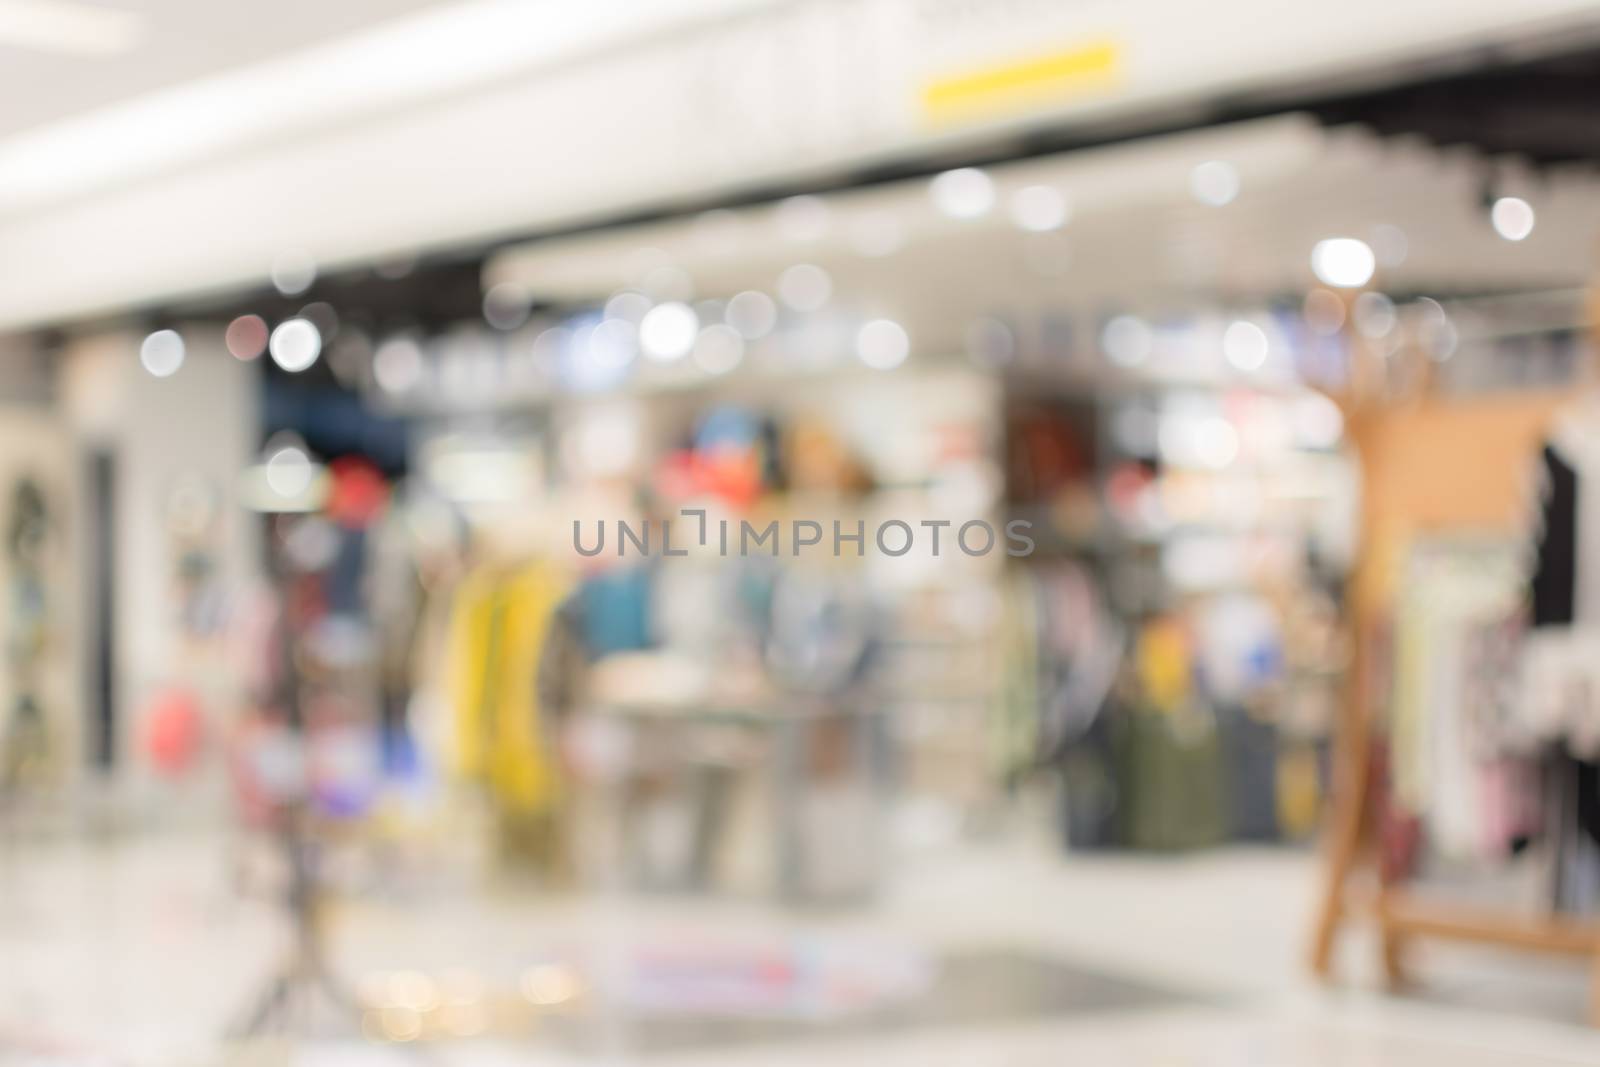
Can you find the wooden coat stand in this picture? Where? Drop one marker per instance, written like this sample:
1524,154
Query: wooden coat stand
1426,464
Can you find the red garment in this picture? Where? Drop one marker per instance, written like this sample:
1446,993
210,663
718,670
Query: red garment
174,727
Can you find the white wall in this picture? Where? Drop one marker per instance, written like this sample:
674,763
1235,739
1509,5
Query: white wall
200,421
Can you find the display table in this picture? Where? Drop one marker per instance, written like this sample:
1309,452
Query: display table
803,745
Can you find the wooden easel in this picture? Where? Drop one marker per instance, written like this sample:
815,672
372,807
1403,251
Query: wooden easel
1426,464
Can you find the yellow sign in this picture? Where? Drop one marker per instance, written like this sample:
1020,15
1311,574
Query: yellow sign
1019,86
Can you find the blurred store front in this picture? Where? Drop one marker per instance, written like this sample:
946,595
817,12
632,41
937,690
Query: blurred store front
721,526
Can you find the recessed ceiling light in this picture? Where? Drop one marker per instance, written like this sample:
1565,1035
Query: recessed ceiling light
162,353
805,287
1214,183
965,193
1127,340
882,344
1039,208
752,313
668,331
1343,262
294,345
1512,217
803,218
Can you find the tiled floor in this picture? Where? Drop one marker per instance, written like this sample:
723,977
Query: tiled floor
140,952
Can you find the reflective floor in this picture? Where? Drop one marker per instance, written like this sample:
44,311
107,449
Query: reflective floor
146,950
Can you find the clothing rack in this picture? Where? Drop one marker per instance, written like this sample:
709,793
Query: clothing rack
1428,464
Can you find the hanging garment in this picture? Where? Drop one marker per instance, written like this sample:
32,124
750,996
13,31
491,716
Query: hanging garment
1091,784
616,610
1062,654
498,631
1172,770
1451,588
1572,806
1558,692
174,726
1171,757
1083,649
1559,684
1249,754
1013,727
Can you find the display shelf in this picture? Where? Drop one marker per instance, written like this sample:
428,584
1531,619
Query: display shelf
1408,914
1431,463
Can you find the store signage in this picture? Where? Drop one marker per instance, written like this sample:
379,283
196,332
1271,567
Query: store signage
1018,86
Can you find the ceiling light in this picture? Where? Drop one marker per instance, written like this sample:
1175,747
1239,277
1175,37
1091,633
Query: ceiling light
882,344
1039,208
1214,183
295,345
1343,262
667,331
293,272
1512,217
802,218
805,287
162,353
1127,340
967,193
752,313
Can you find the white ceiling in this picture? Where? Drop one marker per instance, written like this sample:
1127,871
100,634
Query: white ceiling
171,41
235,131
1137,238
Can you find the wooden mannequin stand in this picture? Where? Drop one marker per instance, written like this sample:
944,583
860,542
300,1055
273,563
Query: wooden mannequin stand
1427,464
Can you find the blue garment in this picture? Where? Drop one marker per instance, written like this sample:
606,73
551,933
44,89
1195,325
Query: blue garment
616,611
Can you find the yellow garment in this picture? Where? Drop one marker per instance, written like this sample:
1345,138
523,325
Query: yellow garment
1163,664
498,630
1299,792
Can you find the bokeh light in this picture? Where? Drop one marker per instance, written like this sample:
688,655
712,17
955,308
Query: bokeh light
295,345
162,352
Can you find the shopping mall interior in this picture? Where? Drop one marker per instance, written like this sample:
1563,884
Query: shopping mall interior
723,532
